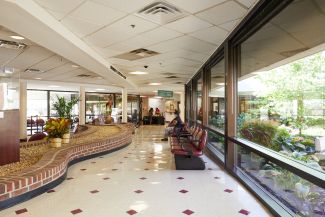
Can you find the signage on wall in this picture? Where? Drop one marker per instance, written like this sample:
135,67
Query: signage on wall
165,93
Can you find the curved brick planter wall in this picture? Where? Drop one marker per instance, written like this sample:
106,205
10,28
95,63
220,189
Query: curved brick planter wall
52,168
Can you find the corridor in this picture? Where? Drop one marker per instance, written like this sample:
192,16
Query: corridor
141,180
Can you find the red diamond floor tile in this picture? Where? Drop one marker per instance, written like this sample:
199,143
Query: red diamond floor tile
20,211
180,178
138,191
188,212
183,191
50,191
93,162
69,178
83,169
131,212
143,178
228,190
76,211
94,191
217,177
106,178
244,212
114,169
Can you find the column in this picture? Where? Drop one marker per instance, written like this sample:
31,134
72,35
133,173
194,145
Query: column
124,105
23,110
82,106
182,106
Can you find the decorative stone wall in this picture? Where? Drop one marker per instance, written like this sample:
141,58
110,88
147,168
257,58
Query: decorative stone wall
54,164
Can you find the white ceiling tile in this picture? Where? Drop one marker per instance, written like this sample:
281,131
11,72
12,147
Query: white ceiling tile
141,25
56,15
50,63
161,34
79,27
125,5
139,41
107,36
213,35
95,13
31,56
247,3
229,26
62,6
223,13
162,47
188,24
195,6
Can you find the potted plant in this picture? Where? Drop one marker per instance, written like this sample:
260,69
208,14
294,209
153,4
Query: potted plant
55,129
66,135
64,107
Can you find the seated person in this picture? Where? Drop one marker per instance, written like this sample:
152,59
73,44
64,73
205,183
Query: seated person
175,123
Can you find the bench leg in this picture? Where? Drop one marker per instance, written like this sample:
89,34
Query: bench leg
189,163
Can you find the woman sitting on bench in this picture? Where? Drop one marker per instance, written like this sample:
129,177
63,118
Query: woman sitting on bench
174,126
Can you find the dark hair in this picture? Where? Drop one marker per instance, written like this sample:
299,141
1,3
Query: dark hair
176,112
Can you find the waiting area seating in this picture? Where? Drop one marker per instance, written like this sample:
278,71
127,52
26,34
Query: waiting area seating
187,145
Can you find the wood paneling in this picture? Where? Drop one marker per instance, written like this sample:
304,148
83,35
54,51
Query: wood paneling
9,137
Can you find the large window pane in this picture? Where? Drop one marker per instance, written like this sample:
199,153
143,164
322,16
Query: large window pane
37,103
68,96
98,104
217,96
299,195
282,84
218,143
198,84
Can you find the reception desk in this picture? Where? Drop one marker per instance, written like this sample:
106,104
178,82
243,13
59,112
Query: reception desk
158,120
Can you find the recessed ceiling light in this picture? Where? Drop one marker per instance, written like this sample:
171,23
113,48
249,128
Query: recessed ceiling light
220,83
7,71
114,84
158,97
99,77
138,73
75,66
143,96
53,86
38,78
100,89
155,91
17,37
154,84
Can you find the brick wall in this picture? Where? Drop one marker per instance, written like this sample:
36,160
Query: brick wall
54,164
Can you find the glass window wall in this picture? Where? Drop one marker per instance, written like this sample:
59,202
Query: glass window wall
282,82
216,118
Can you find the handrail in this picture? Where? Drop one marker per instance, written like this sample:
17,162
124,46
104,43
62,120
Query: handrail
312,175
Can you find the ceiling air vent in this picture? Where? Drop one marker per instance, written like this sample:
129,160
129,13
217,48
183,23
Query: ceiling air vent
171,77
85,76
292,52
33,70
117,72
161,12
137,54
12,45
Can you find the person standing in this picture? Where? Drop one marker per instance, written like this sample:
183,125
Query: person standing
150,115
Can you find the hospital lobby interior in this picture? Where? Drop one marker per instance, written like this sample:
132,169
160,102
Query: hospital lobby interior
162,108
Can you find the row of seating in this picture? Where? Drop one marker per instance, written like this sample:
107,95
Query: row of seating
187,145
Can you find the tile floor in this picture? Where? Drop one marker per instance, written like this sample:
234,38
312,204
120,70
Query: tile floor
141,180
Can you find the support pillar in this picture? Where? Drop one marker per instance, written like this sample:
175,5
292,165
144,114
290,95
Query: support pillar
124,105
22,110
82,106
182,106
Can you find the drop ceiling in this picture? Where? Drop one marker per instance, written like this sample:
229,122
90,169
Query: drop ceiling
112,27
